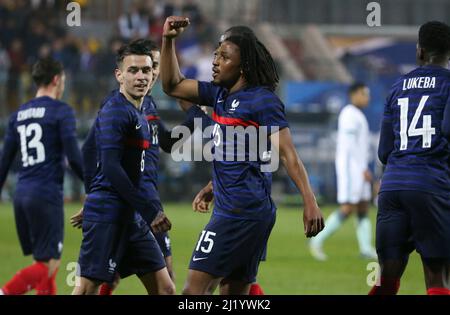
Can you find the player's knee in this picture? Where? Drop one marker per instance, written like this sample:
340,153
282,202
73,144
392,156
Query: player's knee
168,289
191,290
53,266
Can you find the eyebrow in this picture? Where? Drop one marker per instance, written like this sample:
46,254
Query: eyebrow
137,68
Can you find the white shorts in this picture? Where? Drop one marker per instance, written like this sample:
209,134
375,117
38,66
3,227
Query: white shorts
351,187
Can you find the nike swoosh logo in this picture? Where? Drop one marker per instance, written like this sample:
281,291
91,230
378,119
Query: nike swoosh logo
220,101
138,127
197,259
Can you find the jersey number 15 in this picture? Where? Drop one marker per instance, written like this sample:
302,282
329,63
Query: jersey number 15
426,132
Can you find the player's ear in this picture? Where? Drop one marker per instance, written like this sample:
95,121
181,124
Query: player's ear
56,79
118,74
420,54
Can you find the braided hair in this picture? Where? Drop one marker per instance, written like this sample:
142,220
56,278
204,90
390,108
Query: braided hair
258,66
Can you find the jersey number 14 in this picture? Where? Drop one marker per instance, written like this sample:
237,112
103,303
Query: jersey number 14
33,131
426,132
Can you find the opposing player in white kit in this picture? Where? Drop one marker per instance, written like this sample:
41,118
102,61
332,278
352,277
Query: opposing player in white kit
353,175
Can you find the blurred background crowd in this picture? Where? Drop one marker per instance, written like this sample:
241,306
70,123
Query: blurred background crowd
320,46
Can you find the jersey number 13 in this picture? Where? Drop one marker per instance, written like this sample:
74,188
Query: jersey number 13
30,139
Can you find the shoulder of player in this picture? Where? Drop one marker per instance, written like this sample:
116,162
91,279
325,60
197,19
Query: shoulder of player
149,107
261,98
348,110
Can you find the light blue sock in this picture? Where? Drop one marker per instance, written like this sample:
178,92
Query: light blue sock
364,235
332,224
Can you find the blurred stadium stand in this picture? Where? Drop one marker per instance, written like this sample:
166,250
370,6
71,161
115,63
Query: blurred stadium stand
320,47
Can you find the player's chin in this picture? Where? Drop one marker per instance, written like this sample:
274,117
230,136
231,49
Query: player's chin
216,81
140,92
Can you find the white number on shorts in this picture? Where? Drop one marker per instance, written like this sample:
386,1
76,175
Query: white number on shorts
205,237
35,143
426,131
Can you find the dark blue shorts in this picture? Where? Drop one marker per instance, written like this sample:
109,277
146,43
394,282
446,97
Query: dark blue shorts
163,240
409,220
40,226
232,248
124,248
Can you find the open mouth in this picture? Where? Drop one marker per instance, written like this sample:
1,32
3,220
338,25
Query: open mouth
141,86
215,73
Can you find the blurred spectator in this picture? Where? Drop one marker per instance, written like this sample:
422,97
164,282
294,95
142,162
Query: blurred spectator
4,67
106,66
134,24
191,10
85,79
17,58
204,62
34,40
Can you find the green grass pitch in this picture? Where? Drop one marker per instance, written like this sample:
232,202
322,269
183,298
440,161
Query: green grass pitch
289,268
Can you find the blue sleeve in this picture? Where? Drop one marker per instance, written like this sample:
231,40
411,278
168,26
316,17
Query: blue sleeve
113,170
67,130
207,93
166,141
9,152
269,112
113,125
387,136
89,153
445,127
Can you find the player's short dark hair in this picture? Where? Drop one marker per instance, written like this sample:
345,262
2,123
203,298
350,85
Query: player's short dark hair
138,47
355,87
44,70
256,61
434,37
151,45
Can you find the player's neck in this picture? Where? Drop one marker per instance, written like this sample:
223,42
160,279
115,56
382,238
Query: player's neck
136,102
436,61
46,91
240,84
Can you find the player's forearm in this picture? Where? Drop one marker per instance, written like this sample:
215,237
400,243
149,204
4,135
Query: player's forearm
7,157
73,155
298,174
170,70
119,179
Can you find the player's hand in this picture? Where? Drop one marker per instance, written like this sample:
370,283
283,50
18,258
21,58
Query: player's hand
161,223
174,26
203,199
368,176
312,220
77,220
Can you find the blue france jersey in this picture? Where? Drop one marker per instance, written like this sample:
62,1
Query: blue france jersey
241,188
150,176
40,129
420,156
119,126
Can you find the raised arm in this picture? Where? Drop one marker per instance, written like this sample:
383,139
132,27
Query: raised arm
174,83
312,216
